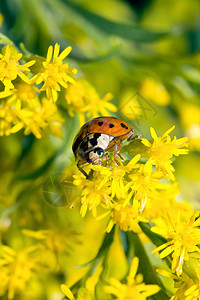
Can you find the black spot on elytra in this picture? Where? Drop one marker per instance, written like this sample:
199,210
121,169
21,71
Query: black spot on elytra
124,126
111,125
93,141
100,123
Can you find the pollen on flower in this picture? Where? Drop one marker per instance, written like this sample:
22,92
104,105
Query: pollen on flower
54,72
10,68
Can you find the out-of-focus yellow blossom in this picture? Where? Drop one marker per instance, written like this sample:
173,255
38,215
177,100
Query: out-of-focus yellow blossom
161,151
183,235
190,117
187,289
162,200
134,289
83,294
74,96
193,133
189,114
17,269
54,72
83,99
54,243
23,109
1,19
155,91
127,217
130,105
10,67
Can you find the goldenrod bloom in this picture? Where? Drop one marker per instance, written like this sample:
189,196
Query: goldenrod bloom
126,217
187,289
134,288
83,99
10,67
17,269
143,184
53,243
114,176
183,236
93,193
82,293
54,72
154,90
23,109
161,151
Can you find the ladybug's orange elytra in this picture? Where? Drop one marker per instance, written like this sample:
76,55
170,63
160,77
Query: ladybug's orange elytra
98,136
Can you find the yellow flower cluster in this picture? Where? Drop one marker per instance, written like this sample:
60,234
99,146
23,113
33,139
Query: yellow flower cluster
143,190
19,267
124,189
23,103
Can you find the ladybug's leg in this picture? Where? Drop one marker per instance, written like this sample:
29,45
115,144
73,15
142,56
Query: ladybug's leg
80,169
132,138
122,159
116,153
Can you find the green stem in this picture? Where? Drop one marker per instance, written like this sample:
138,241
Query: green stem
145,267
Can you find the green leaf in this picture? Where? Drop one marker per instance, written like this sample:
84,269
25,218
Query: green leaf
5,40
127,31
105,246
156,239
145,267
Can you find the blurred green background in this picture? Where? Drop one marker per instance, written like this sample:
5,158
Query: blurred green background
146,53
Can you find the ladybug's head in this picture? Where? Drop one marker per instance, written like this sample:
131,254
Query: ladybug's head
95,156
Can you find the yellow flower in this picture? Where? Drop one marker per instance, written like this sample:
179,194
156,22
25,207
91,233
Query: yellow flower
67,292
167,192
114,176
127,217
83,99
10,68
183,236
93,193
155,91
74,96
143,184
161,151
187,289
54,242
54,72
134,288
193,132
82,293
193,292
23,109
17,269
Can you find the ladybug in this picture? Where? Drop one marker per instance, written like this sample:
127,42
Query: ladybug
98,136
